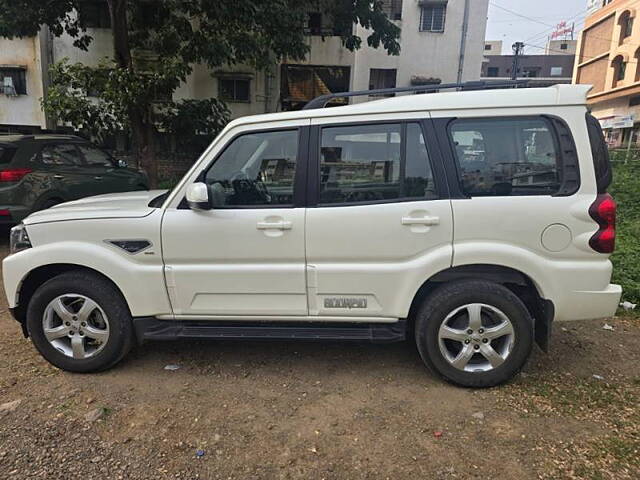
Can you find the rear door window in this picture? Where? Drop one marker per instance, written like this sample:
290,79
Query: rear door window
374,163
61,155
506,156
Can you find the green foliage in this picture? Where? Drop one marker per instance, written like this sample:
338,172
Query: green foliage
69,102
156,45
23,18
97,101
626,258
195,122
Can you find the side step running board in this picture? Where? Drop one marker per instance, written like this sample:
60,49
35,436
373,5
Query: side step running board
153,329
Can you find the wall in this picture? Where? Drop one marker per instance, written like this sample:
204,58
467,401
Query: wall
23,110
429,54
495,47
554,47
100,49
425,54
544,62
599,44
597,39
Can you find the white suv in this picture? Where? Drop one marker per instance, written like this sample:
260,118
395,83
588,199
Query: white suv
468,220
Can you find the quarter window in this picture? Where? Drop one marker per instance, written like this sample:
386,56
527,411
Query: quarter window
500,157
365,163
256,169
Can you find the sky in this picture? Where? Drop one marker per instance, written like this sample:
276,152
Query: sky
541,16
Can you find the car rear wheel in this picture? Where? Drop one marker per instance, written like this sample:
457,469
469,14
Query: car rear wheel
474,333
79,322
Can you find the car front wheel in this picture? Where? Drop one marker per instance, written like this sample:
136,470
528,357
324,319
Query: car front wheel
79,322
474,333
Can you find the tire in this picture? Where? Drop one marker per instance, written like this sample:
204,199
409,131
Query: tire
505,329
104,332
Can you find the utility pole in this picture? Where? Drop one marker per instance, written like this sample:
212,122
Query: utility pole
518,47
463,39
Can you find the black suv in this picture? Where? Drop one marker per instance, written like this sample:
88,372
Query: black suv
39,171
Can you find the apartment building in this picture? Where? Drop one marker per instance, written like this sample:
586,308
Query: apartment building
553,67
608,57
441,41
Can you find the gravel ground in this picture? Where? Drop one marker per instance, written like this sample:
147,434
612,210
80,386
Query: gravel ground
321,410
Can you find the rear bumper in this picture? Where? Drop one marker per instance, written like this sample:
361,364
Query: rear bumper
587,305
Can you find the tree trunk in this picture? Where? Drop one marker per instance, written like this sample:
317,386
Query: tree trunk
140,119
144,136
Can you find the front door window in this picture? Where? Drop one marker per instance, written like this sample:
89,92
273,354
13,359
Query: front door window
256,169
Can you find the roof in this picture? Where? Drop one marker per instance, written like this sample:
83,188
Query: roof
494,98
16,137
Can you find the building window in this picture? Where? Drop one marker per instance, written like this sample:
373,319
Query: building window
382,78
301,83
432,17
634,101
323,25
628,27
315,23
393,9
531,72
13,81
556,71
493,71
487,47
234,89
94,14
563,46
622,69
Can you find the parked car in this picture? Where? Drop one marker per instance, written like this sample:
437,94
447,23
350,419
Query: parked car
376,221
39,171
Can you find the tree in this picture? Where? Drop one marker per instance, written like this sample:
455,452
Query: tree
156,43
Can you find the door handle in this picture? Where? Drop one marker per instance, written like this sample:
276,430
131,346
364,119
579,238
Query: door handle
97,177
426,220
58,177
282,225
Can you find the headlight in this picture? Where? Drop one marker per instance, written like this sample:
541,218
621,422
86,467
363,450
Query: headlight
18,239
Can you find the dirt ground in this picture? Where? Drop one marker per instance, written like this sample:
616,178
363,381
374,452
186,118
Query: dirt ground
321,411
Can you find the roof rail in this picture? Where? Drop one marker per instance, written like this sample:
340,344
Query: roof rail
322,100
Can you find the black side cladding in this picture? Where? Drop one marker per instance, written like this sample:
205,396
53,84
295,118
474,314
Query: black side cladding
600,154
148,328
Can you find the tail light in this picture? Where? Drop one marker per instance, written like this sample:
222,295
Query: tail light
603,211
14,174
